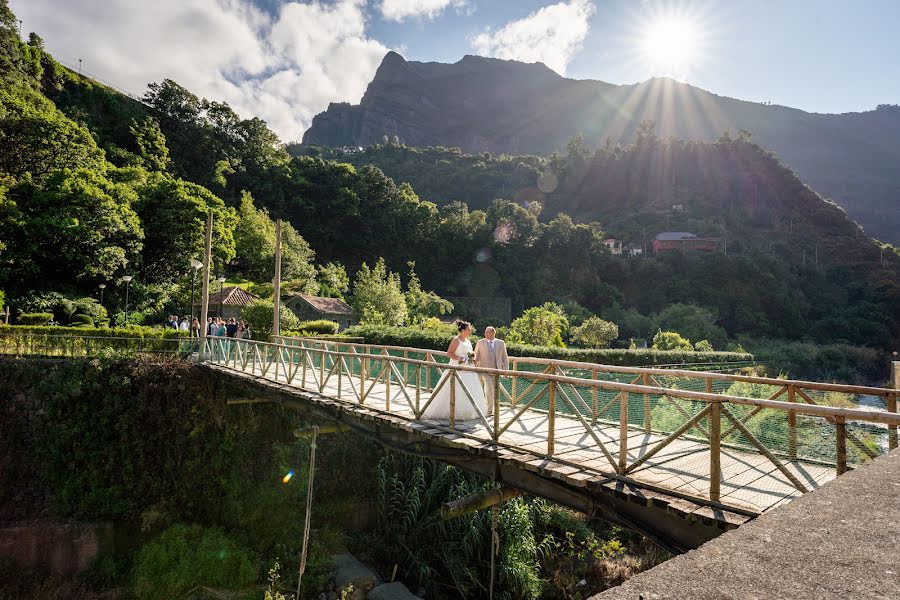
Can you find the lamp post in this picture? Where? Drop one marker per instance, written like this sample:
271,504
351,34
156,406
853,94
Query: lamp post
127,279
196,265
102,287
221,280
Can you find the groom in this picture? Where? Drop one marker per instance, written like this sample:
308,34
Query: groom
490,353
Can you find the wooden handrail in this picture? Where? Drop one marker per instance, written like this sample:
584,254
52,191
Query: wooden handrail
807,409
686,373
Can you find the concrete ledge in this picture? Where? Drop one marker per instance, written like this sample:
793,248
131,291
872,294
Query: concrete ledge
839,542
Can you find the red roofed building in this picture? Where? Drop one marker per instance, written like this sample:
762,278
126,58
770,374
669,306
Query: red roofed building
683,241
227,302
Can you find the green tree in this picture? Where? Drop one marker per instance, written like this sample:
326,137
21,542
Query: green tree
693,322
378,295
78,228
152,143
422,304
261,316
254,239
595,333
37,139
670,340
333,280
173,214
703,346
540,325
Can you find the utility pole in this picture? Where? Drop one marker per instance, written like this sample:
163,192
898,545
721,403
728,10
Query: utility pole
79,66
20,28
276,317
204,307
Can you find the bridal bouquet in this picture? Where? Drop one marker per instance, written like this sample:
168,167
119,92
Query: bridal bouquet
470,358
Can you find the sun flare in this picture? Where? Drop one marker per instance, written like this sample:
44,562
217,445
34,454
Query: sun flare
670,46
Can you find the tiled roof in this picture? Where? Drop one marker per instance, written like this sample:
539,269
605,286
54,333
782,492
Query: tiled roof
675,235
333,306
231,296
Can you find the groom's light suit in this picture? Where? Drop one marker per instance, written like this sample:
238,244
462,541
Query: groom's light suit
491,354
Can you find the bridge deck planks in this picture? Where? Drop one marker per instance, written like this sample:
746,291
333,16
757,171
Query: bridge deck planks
750,481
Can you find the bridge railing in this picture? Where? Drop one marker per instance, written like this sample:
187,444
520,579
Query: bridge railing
626,423
74,346
789,434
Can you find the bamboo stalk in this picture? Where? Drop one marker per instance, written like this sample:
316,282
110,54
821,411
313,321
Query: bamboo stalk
475,502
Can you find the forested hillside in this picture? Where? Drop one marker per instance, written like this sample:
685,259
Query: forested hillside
501,106
94,186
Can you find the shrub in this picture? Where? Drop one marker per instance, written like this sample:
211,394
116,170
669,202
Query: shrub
130,332
186,556
540,325
34,318
670,340
703,346
595,333
322,326
261,316
82,321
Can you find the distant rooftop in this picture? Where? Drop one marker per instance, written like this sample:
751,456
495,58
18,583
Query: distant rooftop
334,306
231,296
675,235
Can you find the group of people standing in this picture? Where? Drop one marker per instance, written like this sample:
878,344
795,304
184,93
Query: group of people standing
215,326
219,327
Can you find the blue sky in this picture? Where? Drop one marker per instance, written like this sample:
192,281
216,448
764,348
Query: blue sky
285,61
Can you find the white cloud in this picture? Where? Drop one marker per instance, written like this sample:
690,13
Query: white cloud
552,35
282,67
400,10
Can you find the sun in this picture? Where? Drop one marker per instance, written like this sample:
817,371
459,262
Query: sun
669,45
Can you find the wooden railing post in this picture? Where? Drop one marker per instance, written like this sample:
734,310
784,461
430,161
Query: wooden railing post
892,429
418,370
792,424
496,407
840,430
362,378
386,366
452,399
648,418
623,432
715,447
321,369
513,398
595,396
551,428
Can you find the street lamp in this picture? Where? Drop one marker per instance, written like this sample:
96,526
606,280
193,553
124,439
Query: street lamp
127,279
102,287
221,280
196,265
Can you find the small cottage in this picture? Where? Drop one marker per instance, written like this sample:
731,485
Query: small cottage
311,308
684,241
227,302
614,245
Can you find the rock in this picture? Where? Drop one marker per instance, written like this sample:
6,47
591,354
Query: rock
391,591
349,571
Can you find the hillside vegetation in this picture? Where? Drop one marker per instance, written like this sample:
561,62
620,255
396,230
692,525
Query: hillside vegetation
502,106
94,186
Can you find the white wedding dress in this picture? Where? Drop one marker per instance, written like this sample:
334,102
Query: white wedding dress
439,408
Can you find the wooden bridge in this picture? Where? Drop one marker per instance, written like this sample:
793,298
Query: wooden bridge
677,455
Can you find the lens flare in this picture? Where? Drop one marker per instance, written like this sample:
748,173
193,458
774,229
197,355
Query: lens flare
287,477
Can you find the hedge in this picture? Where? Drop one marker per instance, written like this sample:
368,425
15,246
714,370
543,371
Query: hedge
417,338
127,332
28,319
322,326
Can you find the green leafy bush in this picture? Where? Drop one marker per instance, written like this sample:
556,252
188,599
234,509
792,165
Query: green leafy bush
82,320
187,556
703,346
670,340
321,326
261,316
34,318
129,332
596,333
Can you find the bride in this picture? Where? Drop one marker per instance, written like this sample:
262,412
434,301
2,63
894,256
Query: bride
459,352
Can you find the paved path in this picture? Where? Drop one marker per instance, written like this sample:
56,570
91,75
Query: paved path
840,542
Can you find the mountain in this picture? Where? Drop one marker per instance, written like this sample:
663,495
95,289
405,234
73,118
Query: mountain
483,104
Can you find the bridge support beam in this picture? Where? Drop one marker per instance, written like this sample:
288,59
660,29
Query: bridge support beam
476,502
